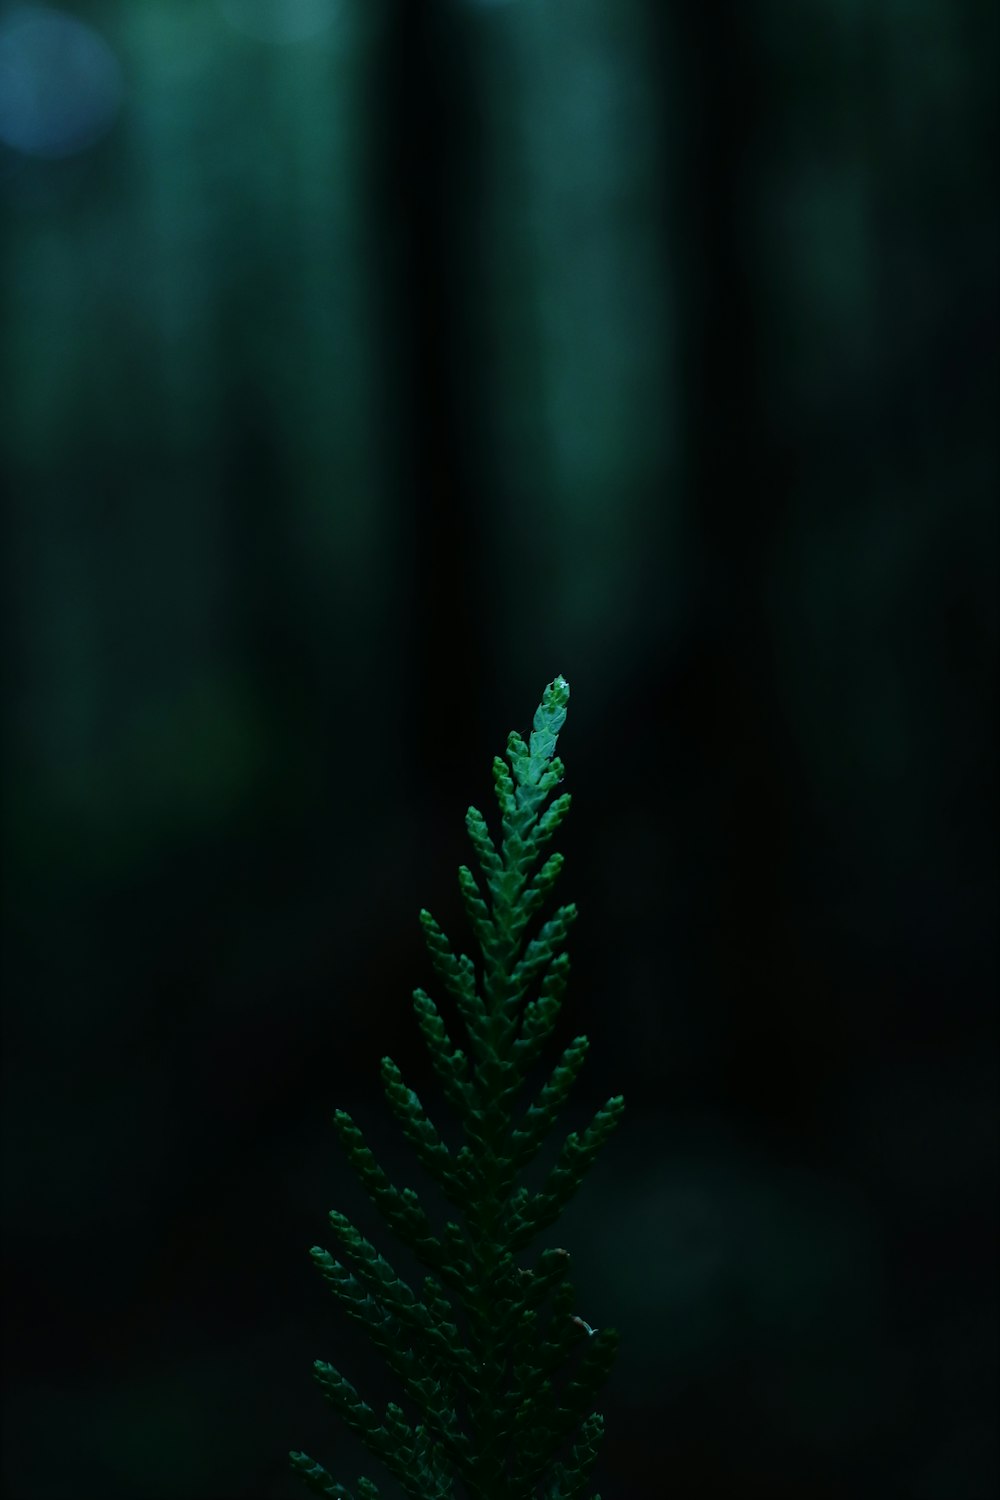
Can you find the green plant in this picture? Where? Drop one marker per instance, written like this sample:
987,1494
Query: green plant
491,1418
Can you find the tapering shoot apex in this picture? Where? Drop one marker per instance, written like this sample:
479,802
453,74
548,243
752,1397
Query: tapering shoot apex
554,701
535,765
550,716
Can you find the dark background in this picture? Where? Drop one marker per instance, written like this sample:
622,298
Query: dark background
364,365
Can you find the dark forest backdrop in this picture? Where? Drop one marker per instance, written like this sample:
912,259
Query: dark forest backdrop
366,363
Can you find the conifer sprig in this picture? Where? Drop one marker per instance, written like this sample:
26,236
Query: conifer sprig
501,1410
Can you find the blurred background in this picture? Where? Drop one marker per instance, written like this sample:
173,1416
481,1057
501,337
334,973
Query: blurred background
365,364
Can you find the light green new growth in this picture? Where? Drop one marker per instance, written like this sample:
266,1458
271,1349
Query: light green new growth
475,1357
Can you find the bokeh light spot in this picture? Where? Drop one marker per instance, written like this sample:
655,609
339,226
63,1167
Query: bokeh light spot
60,83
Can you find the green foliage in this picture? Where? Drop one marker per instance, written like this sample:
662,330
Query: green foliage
476,1349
